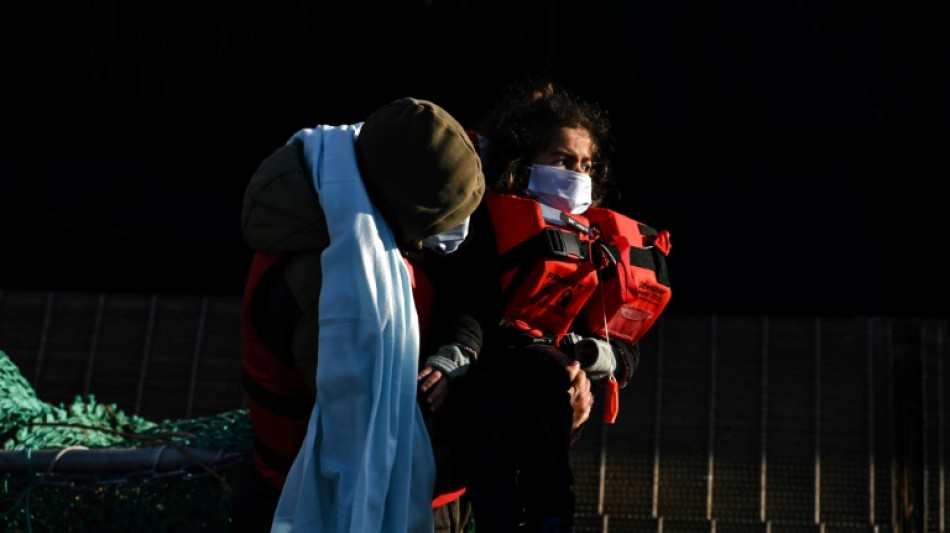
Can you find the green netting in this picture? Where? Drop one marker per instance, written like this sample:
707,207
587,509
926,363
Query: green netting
191,497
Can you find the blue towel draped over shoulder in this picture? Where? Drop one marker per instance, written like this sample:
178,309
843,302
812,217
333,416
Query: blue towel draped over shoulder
366,464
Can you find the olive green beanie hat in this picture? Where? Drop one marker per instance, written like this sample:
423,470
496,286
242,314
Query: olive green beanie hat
420,169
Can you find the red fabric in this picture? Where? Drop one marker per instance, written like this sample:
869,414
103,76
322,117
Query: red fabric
422,295
631,298
261,365
448,497
612,407
279,433
543,292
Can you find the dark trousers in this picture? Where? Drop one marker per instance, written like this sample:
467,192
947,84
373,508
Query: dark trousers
515,429
253,500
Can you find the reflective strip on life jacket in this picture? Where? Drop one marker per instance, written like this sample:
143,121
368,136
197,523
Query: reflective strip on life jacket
634,281
546,273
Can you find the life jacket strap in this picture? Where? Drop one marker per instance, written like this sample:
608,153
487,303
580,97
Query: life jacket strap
572,222
551,242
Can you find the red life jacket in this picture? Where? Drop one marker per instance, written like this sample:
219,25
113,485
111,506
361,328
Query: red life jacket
603,265
547,274
634,282
279,402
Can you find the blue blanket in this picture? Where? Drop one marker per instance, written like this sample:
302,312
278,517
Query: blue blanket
366,464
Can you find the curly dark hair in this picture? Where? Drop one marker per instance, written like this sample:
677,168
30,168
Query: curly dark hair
522,125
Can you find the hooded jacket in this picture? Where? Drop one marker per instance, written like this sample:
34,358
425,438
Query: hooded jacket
424,176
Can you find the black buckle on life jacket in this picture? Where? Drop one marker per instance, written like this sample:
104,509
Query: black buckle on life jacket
564,244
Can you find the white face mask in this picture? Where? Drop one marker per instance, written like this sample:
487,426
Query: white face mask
561,188
449,240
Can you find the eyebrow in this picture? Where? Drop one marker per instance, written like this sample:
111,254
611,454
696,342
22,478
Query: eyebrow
570,154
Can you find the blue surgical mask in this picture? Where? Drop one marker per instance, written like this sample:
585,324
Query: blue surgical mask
561,188
449,240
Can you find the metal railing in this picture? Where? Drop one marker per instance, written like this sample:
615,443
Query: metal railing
731,423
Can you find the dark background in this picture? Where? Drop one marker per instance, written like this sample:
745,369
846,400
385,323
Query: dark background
795,150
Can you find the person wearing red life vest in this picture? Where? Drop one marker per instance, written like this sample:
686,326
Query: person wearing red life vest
424,176
548,279
284,225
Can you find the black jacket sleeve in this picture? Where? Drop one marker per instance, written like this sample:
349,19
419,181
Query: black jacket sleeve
467,289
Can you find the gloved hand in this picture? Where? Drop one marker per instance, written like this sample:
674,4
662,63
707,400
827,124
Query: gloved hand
596,356
449,362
